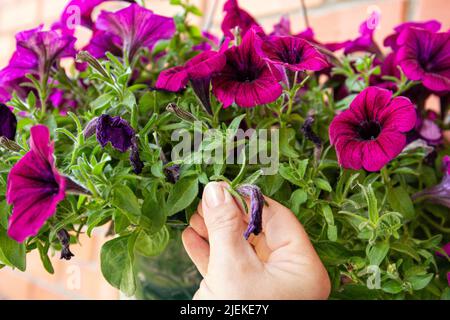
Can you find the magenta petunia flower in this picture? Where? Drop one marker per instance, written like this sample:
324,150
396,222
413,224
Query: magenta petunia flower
372,131
438,194
236,17
8,122
103,42
137,27
391,40
198,71
293,53
37,51
247,79
210,42
425,56
34,187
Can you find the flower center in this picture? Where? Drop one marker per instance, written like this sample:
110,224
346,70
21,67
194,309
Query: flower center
369,130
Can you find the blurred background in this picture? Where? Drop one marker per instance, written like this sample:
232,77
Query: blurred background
80,278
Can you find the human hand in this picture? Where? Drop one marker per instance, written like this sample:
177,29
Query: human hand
279,263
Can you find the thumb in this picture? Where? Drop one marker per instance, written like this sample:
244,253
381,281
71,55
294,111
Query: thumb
224,222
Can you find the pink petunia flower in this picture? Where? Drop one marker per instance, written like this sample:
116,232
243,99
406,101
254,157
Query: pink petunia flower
425,56
34,187
372,131
236,17
247,79
293,53
391,40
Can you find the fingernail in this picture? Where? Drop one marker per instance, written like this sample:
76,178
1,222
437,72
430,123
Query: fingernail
214,195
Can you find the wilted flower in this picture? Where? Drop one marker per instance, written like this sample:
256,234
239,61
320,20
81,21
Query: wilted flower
293,53
247,79
34,187
428,130
137,27
256,208
119,133
8,122
372,131
236,17
391,40
64,238
424,56
439,194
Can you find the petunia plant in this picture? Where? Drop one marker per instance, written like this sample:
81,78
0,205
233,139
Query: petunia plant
153,108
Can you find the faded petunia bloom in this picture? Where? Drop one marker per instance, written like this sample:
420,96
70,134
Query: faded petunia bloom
283,27
425,56
64,239
119,133
428,130
293,53
34,187
236,17
247,79
391,40
372,131
8,122
439,194
37,51
137,27
256,208
198,71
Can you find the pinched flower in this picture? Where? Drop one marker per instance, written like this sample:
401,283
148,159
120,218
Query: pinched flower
391,40
256,208
8,122
119,133
199,71
293,53
37,51
137,27
247,79
64,239
425,56
34,187
372,131
439,194
236,17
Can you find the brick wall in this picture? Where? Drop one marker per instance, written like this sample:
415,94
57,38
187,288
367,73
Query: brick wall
332,20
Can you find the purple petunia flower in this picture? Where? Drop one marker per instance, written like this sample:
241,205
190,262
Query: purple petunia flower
236,17
137,27
293,53
256,208
37,51
34,187
247,79
425,56
119,133
439,194
391,40
8,122
199,71
103,42
428,130
211,42
372,131
282,28
365,41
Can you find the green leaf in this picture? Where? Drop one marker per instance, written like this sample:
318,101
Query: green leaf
287,137
125,200
43,254
401,202
12,253
377,253
332,253
182,195
117,264
371,203
420,281
298,198
151,245
153,214
392,287
323,184
4,212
